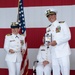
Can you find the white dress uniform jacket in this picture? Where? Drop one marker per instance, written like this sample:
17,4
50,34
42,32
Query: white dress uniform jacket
44,54
16,43
61,34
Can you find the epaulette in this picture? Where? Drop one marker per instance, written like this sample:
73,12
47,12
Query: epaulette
22,34
49,25
61,21
9,34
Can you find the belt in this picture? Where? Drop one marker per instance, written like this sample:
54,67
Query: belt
17,51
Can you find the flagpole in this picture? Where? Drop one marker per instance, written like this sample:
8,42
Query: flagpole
21,20
18,11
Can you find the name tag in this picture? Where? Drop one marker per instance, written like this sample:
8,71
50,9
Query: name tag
42,49
12,40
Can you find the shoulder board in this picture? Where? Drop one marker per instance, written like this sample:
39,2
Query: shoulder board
61,21
49,26
22,34
9,34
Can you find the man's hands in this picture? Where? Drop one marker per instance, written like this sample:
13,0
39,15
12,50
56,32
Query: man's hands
45,63
53,43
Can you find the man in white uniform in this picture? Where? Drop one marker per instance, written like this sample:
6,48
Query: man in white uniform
60,50
44,58
14,45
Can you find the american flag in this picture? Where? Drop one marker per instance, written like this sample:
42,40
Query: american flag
21,20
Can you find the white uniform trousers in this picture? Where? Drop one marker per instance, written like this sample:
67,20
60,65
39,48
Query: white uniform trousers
61,65
41,70
14,67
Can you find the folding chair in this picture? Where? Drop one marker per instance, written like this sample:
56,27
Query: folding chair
34,67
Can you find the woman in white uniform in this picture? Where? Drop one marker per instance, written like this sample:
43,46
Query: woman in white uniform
14,46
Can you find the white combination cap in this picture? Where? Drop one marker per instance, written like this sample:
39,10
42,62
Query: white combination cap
50,11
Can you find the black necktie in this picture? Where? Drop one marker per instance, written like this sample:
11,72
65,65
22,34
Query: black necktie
16,36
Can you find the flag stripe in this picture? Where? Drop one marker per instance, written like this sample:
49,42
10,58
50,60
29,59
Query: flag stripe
34,36
3,32
32,53
35,16
24,59
28,3
26,72
5,72
21,20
